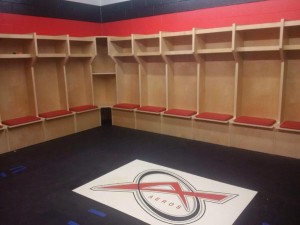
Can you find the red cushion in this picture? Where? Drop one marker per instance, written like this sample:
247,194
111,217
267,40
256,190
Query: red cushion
21,120
255,121
83,108
154,109
55,113
214,116
293,125
126,106
180,112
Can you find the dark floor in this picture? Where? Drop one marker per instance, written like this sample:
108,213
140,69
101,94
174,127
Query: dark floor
42,194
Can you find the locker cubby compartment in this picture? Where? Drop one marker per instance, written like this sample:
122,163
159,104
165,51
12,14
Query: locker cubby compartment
258,89
262,37
17,94
146,45
173,43
82,47
104,86
79,83
50,85
153,81
17,46
127,80
216,87
120,46
291,37
103,63
216,40
182,74
52,46
291,98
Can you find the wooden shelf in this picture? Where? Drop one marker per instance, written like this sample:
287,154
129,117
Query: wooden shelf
121,46
291,35
17,46
177,43
52,46
258,37
82,47
214,40
146,45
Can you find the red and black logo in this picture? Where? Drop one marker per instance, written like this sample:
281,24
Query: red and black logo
168,197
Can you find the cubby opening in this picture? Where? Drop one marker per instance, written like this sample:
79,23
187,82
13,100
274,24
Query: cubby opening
259,85
50,85
47,46
82,47
16,46
105,89
153,81
120,46
127,80
218,41
147,45
217,83
176,43
257,38
291,38
182,73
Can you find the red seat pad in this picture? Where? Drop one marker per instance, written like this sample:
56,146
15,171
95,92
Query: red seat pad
21,120
294,125
255,121
55,113
180,112
126,106
214,116
82,108
155,109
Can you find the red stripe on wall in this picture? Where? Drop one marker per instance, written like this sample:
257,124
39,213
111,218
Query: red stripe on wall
251,13
19,24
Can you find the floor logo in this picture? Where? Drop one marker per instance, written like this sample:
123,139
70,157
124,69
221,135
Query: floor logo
167,196
160,195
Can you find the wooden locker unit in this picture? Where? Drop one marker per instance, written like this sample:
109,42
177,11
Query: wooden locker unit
152,69
79,83
287,141
258,87
104,75
3,139
120,46
182,78
50,82
17,91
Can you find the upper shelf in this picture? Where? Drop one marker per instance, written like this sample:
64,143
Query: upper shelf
177,43
291,35
121,46
82,47
17,46
146,45
52,46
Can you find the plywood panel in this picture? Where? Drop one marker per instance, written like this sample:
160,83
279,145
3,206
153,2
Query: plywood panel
123,118
3,142
16,88
148,122
59,127
87,120
260,86
178,127
79,82
105,90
